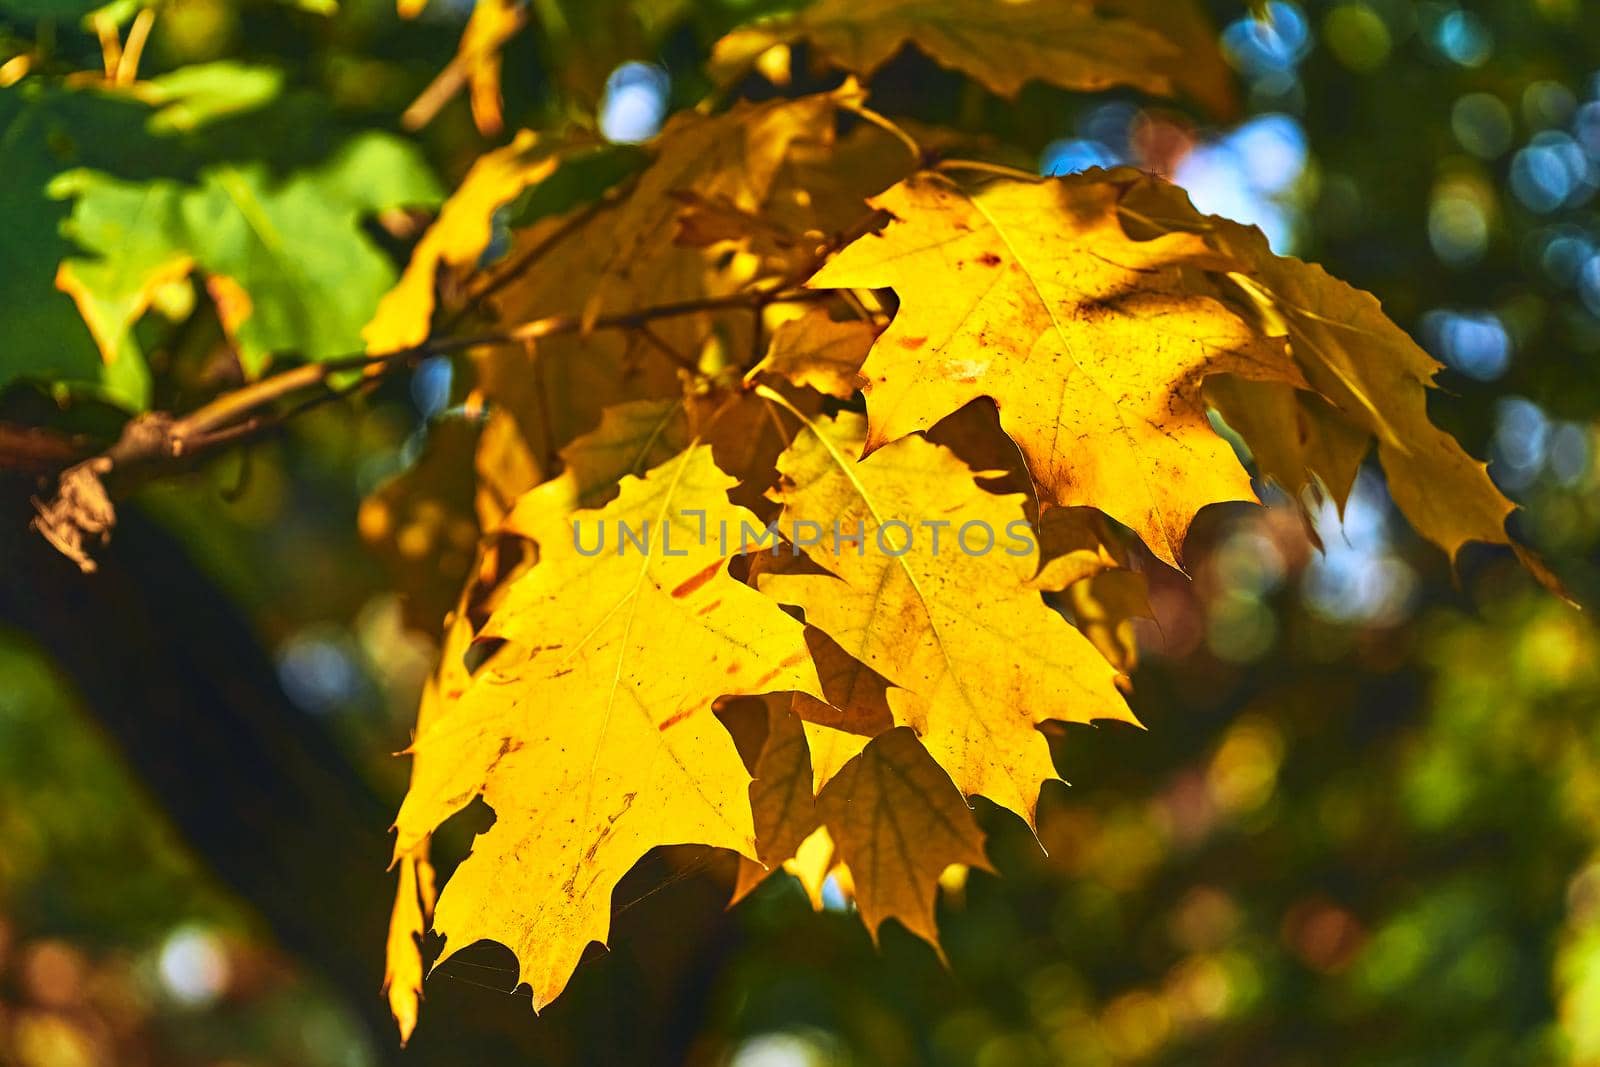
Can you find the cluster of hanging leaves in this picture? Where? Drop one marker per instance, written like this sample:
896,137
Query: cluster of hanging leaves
794,316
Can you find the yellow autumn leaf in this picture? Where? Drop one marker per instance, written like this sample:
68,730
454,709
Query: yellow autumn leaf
1104,606
1372,372
947,613
1085,569
1075,544
631,438
704,222
587,374
853,710
747,432
891,817
1001,45
593,739
619,255
506,467
782,807
1092,345
1297,438
415,892
816,351
733,157
413,910
744,431
898,822
458,237
816,861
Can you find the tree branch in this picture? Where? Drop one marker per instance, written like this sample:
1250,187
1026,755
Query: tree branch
80,515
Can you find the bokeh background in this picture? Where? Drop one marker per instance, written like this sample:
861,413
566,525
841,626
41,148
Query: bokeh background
1362,827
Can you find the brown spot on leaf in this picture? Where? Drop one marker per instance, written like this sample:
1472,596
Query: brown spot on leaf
673,720
695,581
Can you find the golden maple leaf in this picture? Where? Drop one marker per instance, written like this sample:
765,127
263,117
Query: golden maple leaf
594,741
1297,438
898,823
1374,376
854,709
888,825
415,892
782,807
631,438
815,351
732,158
1093,346
977,658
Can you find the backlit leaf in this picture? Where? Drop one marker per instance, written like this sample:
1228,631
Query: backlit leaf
1092,344
594,742
977,659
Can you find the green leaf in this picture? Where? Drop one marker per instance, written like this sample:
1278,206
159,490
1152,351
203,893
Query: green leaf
191,97
286,260
43,131
63,10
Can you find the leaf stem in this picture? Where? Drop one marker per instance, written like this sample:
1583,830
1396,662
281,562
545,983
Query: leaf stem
985,167
889,126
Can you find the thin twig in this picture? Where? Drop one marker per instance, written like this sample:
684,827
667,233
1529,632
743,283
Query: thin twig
37,450
128,63
110,43
81,514
448,82
660,345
